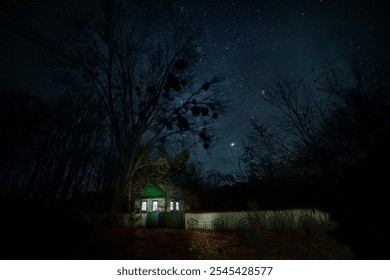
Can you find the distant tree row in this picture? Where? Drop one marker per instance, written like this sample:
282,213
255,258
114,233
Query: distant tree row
333,131
52,149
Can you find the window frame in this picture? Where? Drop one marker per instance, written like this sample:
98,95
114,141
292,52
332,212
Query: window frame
154,205
144,203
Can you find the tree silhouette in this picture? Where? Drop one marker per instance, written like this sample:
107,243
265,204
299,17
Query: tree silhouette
51,149
145,83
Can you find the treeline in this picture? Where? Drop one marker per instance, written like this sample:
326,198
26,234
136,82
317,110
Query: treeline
269,194
332,130
51,149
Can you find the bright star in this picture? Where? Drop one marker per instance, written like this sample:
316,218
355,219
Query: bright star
232,144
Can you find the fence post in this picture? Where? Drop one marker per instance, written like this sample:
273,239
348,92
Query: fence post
185,220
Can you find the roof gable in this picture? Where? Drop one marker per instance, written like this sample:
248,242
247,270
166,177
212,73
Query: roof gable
153,191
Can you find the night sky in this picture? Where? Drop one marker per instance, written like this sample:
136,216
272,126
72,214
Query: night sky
247,42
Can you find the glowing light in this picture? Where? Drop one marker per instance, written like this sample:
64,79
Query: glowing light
232,144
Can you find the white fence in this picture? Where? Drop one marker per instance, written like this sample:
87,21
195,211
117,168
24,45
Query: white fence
296,218
243,220
218,221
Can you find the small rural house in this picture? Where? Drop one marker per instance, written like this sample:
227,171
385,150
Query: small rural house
158,209
154,199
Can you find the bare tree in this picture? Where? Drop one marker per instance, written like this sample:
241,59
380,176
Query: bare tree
271,147
145,83
50,148
342,143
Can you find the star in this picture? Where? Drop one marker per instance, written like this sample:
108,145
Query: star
249,43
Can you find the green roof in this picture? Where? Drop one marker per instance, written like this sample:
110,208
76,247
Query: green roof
153,191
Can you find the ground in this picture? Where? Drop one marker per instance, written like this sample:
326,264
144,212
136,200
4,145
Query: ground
34,240
178,244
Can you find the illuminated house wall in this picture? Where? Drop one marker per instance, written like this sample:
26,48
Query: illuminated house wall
154,199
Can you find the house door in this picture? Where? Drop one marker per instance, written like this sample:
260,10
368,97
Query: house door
151,220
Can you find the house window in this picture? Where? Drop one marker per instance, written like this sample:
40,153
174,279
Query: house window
154,205
171,206
143,206
177,206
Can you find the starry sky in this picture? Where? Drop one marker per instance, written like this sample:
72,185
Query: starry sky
248,42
